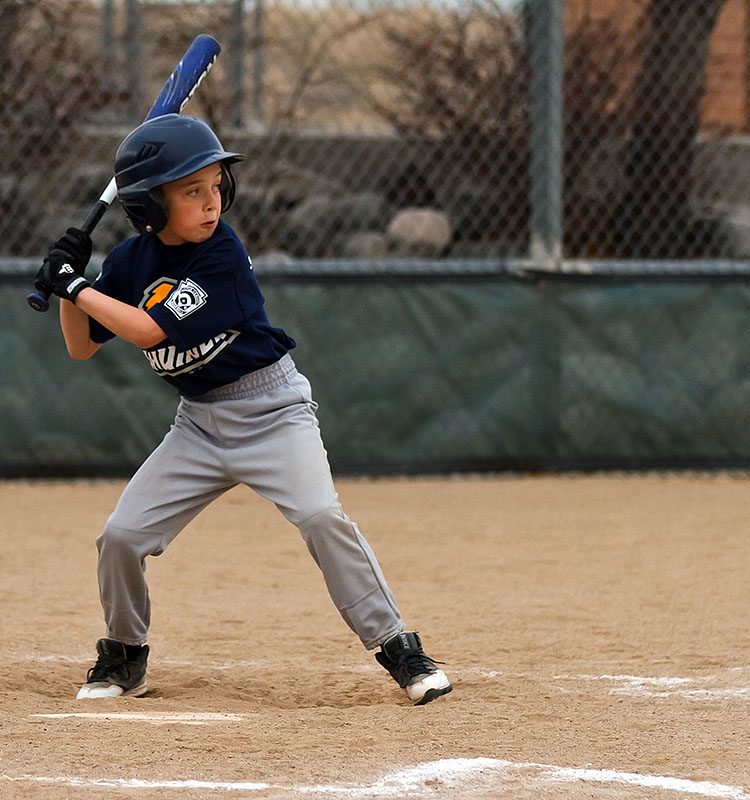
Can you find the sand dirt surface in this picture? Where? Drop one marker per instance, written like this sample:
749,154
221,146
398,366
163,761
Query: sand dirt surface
595,629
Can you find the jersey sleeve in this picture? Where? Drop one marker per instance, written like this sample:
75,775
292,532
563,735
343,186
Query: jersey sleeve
217,292
107,284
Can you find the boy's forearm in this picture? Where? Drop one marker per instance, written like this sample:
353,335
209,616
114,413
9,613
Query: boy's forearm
128,322
74,324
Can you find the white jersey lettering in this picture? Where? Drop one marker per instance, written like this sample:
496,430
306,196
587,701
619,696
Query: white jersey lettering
168,361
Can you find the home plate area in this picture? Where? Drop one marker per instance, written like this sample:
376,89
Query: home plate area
463,777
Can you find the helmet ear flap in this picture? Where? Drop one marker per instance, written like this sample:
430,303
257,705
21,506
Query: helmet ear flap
135,213
226,187
147,213
158,214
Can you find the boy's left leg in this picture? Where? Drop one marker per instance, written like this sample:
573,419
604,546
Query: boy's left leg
278,452
283,459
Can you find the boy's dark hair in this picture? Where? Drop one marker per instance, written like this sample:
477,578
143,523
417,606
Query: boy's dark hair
162,150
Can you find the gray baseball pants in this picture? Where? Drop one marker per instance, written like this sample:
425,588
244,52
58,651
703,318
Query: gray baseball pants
261,431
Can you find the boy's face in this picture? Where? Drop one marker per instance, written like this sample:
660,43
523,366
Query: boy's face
193,206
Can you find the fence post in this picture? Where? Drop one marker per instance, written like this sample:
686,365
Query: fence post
236,78
134,53
108,43
543,27
258,66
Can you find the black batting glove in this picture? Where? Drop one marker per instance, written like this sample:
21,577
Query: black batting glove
58,276
74,248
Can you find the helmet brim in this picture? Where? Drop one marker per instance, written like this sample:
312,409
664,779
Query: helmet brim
182,171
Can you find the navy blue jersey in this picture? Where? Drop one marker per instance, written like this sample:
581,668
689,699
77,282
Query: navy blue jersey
205,298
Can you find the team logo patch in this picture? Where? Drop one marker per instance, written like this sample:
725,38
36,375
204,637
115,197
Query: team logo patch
185,298
157,292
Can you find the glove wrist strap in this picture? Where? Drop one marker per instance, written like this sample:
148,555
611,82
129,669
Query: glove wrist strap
75,287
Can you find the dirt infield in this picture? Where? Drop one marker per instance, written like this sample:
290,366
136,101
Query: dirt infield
595,629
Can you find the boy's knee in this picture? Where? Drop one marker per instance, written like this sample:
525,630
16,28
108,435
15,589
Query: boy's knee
118,541
323,521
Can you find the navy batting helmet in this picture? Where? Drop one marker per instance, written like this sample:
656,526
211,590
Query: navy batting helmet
162,150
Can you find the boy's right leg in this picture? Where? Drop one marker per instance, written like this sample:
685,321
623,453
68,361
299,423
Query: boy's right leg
180,478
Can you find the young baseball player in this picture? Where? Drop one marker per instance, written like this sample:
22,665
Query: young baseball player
184,291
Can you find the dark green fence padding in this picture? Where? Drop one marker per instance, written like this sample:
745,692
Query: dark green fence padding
429,374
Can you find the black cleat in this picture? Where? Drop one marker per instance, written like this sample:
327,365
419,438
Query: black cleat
120,671
412,669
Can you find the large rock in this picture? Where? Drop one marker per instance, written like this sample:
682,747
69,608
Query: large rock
420,231
272,258
365,244
312,227
251,216
286,187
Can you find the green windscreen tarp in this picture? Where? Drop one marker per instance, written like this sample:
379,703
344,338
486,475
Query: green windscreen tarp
429,373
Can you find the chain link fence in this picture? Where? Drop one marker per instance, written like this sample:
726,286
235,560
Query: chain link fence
546,130
522,226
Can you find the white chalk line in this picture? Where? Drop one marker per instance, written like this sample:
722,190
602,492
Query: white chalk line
688,688
155,718
423,779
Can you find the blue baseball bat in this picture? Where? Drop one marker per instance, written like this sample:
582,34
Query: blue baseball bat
179,88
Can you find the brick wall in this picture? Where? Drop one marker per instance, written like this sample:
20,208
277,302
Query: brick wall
726,104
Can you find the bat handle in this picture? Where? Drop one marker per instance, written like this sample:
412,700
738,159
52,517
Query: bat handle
97,211
39,300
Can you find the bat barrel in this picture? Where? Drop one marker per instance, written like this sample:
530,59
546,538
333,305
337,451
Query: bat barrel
185,79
